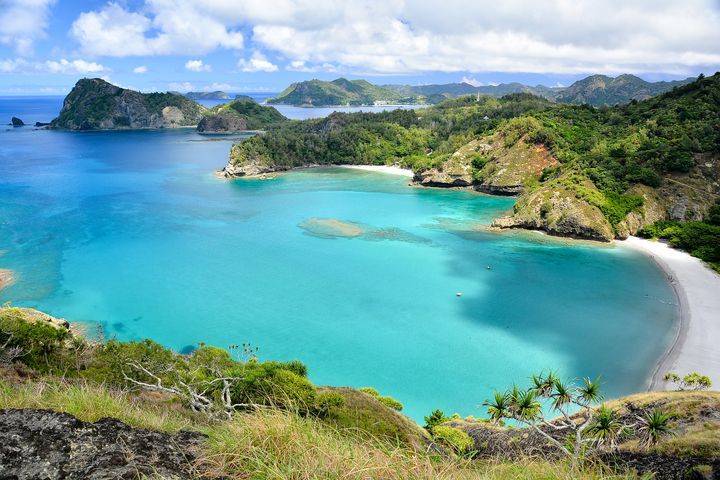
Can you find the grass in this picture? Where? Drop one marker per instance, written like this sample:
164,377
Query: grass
90,403
272,444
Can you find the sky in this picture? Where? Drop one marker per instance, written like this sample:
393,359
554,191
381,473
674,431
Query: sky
264,45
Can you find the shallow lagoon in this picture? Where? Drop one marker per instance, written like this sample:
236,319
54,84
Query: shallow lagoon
132,230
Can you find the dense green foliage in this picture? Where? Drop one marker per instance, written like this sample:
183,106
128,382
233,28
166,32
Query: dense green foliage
341,91
453,438
614,147
257,117
700,239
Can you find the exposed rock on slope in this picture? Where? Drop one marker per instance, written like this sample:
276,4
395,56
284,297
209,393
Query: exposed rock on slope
94,104
239,116
40,444
556,209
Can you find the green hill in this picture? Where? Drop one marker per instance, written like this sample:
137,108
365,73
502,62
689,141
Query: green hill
94,104
239,115
601,90
318,93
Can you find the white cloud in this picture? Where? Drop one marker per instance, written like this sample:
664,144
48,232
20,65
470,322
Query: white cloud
22,22
472,81
257,63
141,69
217,86
74,67
414,36
62,66
181,86
163,27
197,66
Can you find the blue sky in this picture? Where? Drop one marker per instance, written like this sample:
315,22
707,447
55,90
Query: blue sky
264,45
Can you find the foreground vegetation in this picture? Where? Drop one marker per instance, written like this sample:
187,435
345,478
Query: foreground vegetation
266,420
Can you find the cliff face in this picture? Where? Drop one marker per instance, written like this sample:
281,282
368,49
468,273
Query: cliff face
240,115
94,104
556,209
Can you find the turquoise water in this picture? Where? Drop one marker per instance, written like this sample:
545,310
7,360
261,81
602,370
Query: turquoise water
132,230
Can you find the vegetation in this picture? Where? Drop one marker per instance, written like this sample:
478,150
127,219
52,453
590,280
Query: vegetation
319,93
245,112
613,148
700,239
691,381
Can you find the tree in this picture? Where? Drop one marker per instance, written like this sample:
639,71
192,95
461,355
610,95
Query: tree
691,381
653,426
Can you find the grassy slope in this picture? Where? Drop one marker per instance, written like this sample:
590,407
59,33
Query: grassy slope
272,444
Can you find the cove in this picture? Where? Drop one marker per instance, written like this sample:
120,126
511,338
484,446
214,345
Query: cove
354,273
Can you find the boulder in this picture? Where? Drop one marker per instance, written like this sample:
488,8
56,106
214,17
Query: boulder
40,444
16,122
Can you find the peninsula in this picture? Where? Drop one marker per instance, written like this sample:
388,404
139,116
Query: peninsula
579,171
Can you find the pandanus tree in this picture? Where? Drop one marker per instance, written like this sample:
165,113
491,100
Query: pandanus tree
577,426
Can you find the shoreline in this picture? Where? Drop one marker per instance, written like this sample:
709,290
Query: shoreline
388,169
697,288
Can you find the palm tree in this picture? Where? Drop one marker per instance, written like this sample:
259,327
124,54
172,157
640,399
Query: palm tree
527,408
498,407
654,426
590,391
543,384
562,394
606,428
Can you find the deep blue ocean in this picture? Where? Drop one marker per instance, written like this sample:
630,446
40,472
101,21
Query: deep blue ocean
132,231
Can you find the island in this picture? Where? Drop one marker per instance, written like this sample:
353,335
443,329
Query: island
578,171
241,115
94,104
216,95
596,90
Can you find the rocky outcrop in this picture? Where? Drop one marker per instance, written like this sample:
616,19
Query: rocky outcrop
248,164
239,116
16,122
40,444
6,278
31,315
94,104
456,171
558,210
652,210
509,169
222,123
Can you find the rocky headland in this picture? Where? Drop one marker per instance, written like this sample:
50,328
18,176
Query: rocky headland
240,115
94,104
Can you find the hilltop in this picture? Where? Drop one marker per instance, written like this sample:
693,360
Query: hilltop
242,114
317,93
597,90
94,104
216,95
580,171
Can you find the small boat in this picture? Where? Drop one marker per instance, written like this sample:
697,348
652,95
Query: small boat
458,294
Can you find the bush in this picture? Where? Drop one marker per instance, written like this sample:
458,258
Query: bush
327,402
272,384
385,400
40,343
435,418
458,441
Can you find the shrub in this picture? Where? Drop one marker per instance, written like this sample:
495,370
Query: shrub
385,400
40,343
435,418
458,441
327,402
272,384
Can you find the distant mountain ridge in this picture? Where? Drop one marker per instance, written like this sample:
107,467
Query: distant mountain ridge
216,95
596,90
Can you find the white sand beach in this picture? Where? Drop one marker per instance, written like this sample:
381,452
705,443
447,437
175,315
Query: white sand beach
697,345
382,169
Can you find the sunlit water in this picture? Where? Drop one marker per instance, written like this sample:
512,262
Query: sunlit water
133,231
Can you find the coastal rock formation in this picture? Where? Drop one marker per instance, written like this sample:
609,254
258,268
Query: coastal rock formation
456,171
238,116
6,278
40,444
248,164
556,209
31,315
16,122
650,212
94,104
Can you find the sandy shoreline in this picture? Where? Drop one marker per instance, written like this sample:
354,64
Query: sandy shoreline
392,170
695,348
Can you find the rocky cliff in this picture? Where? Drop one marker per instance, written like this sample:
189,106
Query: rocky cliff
237,116
94,104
